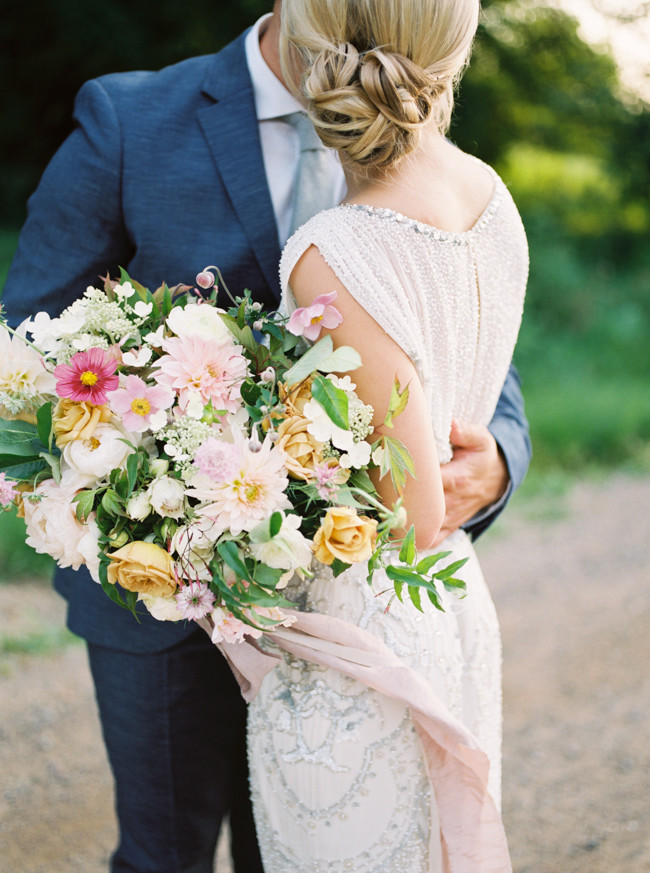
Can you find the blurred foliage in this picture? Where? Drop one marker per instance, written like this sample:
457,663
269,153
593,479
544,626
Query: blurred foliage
546,109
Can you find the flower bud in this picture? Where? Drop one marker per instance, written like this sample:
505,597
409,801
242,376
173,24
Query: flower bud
158,467
205,279
267,376
119,540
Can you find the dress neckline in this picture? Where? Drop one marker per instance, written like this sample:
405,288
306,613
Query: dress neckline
430,230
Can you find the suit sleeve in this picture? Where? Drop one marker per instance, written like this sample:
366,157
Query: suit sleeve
509,427
75,229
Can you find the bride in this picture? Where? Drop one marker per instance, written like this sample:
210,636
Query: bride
429,261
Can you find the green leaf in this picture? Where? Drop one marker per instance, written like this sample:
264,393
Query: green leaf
433,597
25,471
267,529
54,462
339,567
267,577
397,461
17,439
397,403
111,503
408,554
132,465
423,566
404,574
85,501
341,360
310,361
333,400
166,301
451,569
453,584
414,594
275,524
230,554
44,424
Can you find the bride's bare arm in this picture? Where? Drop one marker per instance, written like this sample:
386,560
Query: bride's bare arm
383,361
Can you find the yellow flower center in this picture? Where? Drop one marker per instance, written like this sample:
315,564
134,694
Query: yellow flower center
251,493
316,319
88,377
213,370
94,443
140,406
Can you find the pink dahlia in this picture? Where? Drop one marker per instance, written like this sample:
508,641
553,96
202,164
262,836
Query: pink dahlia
88,377
253,490
308,321
211,368
137,402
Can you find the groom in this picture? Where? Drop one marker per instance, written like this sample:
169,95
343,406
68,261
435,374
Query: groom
163,174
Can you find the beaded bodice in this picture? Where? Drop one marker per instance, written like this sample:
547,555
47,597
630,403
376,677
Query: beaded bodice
452,301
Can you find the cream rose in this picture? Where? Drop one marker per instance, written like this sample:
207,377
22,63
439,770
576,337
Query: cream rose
143,567
345,536
96,457
198,319
303,451
74,420
162,608
167,497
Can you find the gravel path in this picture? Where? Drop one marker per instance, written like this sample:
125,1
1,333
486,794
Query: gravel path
570,578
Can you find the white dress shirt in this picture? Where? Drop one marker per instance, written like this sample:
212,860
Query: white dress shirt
279,140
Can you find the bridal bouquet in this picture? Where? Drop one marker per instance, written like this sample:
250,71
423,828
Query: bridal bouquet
194,459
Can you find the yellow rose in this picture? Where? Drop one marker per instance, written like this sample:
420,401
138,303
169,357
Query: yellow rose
143,567
77,420
294,397
345,535
302,450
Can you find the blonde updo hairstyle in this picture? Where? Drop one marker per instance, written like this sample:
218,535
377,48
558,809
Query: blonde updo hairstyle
373,73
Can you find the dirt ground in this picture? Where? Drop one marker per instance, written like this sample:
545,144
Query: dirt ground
571,581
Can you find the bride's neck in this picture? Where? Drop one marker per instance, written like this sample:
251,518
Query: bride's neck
426,162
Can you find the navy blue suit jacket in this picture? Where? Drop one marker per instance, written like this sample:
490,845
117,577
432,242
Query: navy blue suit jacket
163,175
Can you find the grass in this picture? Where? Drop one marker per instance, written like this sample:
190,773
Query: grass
43,642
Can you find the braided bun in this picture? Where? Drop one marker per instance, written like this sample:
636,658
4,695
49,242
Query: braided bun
372,102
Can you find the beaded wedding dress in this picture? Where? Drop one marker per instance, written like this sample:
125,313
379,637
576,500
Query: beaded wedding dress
337,774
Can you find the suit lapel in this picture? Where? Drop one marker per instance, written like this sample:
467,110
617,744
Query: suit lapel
230,127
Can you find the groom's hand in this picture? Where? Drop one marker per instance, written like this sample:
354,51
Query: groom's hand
475,478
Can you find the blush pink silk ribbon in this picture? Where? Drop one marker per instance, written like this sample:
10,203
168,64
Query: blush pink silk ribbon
473,839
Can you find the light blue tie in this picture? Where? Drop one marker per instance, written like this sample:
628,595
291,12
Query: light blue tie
313,189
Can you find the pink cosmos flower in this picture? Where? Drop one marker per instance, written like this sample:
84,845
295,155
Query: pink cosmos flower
137,402
7,490
88,377
195,600
205,366
308,321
